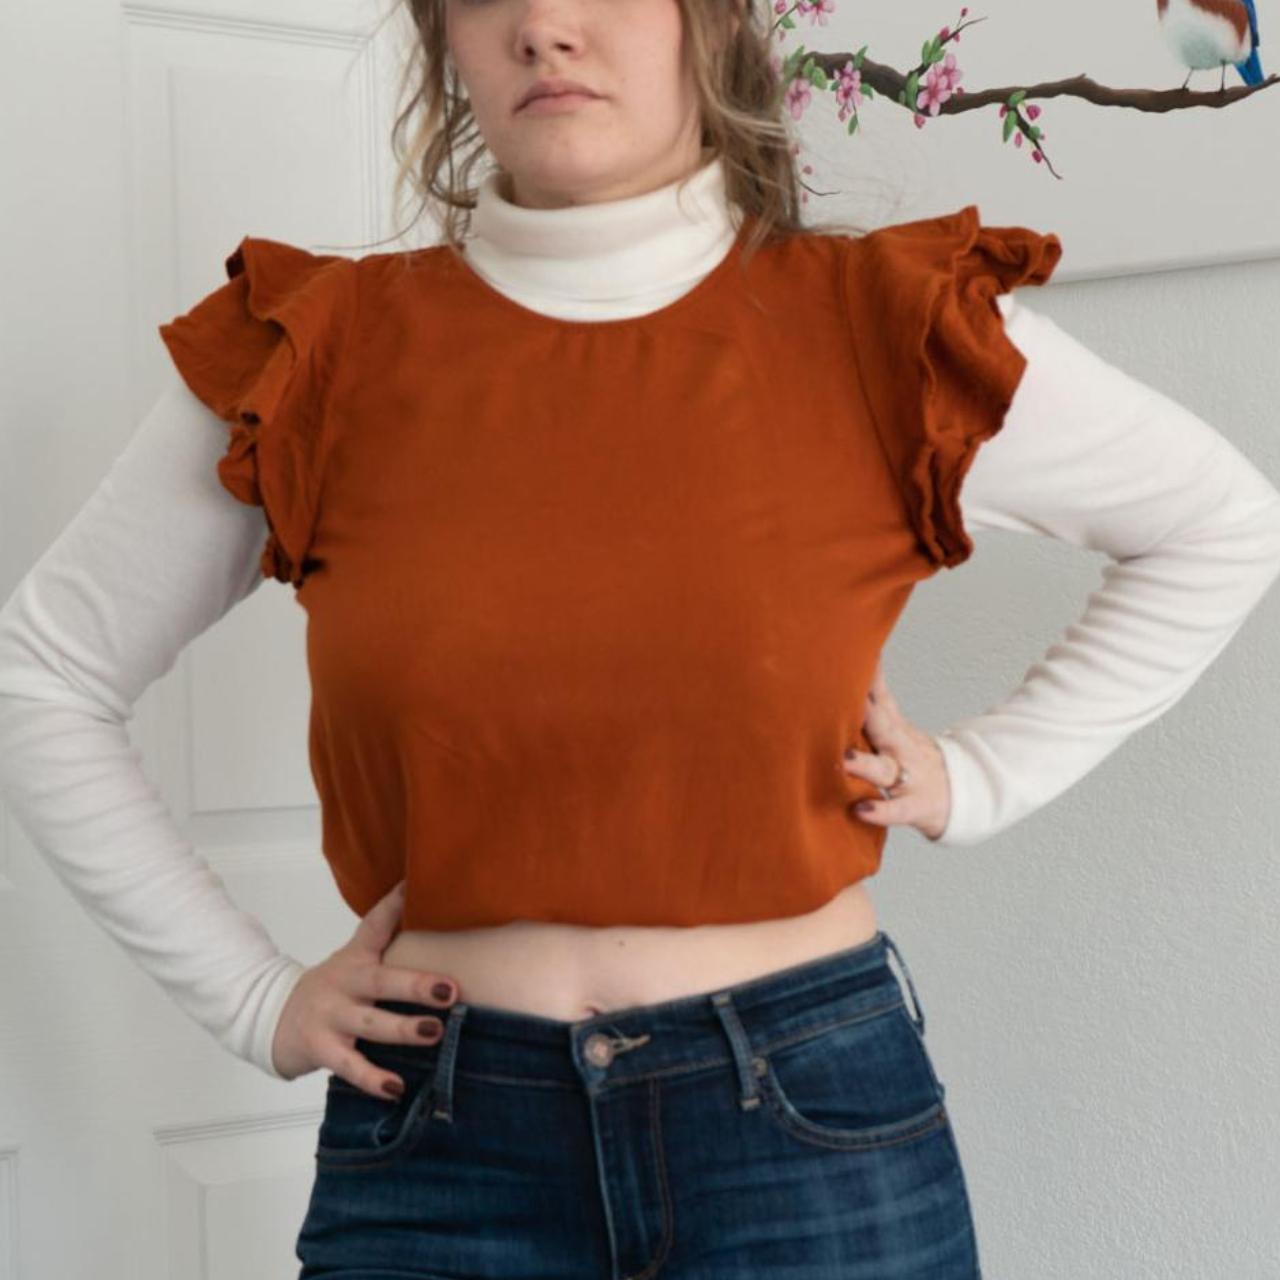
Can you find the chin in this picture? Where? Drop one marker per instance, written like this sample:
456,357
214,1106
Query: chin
562,184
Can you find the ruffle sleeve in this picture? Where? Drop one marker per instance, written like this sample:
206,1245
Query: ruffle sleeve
262,351
938,369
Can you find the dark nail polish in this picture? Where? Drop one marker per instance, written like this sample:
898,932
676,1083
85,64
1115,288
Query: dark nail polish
442,991
429,1027
394,1088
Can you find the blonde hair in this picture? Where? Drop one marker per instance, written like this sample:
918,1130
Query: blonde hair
744,121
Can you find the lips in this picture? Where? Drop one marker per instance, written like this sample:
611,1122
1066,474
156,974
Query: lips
544,99
557,89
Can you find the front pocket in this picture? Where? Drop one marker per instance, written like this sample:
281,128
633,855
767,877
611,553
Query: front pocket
858,1085
361,1131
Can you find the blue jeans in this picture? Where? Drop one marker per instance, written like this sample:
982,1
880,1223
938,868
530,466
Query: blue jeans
791,1125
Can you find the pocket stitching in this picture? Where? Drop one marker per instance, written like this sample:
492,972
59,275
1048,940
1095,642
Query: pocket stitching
872,1137
384,1154
795,1122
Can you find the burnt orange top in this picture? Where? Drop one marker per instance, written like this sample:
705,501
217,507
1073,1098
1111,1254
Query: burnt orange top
593,606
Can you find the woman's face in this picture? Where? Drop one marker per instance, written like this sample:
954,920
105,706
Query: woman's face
642,132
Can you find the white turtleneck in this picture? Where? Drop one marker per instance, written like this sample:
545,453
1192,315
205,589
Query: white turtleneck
602,261
161,551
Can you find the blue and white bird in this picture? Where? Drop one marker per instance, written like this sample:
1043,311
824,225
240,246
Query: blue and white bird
1213,33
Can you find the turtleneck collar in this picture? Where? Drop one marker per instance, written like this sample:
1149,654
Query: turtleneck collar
605,260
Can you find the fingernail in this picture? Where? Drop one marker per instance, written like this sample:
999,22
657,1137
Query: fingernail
863,806
429,1027
393,1088
443,991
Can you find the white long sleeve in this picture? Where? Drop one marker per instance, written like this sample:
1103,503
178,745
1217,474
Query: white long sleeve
158,553
1090,455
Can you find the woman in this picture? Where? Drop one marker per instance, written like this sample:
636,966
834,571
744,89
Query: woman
590,1031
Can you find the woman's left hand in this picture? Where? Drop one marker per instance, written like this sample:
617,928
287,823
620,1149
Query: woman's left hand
921,800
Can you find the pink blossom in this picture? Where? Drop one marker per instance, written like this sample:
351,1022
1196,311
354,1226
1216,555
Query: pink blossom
848,91
817,9
797,96
947,68
940,83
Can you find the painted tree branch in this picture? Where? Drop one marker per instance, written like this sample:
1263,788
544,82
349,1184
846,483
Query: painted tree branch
903,89
889,82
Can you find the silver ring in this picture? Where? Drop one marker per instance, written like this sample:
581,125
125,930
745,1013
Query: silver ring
904,776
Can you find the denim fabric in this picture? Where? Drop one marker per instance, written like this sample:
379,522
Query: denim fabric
791,1126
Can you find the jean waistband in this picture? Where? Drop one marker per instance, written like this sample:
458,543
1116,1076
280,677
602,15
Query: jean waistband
668,1037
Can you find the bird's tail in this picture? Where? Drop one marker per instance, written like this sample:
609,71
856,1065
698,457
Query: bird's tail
1251,69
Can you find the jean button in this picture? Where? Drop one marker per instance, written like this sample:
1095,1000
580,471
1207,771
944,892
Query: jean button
599,1050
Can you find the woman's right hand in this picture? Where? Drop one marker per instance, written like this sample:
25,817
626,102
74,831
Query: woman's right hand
332,1004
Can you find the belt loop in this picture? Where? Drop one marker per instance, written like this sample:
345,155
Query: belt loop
749,1097
442,1081
915,999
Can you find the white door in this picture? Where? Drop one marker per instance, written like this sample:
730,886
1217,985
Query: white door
141,141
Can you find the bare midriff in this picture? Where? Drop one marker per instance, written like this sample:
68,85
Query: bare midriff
568,972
